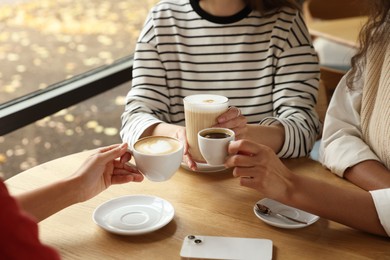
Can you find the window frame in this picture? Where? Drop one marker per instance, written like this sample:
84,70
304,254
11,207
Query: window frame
29,108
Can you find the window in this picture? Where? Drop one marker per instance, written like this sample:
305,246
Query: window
49,46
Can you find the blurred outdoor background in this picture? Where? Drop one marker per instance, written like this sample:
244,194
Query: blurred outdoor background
46,41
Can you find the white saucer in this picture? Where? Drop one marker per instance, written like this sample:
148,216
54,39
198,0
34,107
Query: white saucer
133,214
204,167
285,210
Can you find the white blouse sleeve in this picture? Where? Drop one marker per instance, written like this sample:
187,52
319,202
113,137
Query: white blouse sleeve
381,200
342,145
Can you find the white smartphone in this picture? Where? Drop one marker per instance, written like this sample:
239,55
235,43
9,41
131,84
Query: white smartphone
227,248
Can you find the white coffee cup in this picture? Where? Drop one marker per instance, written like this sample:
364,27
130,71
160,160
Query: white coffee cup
201,111
158,157
213,144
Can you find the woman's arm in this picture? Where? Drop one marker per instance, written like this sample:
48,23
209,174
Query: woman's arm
259,168
295,92
293,126
147,103
45,201
351,207
272,136
96,174
342,145
369,175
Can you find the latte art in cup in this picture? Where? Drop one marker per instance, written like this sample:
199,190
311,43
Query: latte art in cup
201,111
156,146
158,157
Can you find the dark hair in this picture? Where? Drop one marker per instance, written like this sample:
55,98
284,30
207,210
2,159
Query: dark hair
375,32
264,6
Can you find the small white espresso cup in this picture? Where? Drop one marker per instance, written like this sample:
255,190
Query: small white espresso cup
158,157
213,144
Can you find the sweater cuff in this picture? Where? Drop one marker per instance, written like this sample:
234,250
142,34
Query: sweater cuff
285,151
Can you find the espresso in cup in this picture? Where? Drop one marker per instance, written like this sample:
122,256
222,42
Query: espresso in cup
213,144
158,157
215,135
201,111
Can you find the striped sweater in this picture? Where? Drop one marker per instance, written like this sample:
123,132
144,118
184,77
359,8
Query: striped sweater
265,65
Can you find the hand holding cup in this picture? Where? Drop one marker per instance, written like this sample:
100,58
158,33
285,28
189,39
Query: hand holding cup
158,157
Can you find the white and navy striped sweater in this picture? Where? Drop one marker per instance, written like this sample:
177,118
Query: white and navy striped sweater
265,65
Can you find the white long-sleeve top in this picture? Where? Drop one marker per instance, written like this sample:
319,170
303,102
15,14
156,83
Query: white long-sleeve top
342,144
265,65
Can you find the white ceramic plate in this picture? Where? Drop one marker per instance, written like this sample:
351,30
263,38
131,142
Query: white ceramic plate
278,207
133,214
204,167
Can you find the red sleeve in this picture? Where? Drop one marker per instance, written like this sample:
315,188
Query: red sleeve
19,232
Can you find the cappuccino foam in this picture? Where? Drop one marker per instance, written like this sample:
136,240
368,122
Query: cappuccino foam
205,102
157,146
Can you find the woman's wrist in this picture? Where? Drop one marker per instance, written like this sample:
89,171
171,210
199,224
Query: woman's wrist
47,200
295,190
73,189
272,136
165,129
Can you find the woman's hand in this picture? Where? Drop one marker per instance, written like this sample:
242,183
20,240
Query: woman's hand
259,168
187,158
105,167
234,120
179,132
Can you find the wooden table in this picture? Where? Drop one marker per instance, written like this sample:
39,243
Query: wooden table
205,204
344,31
